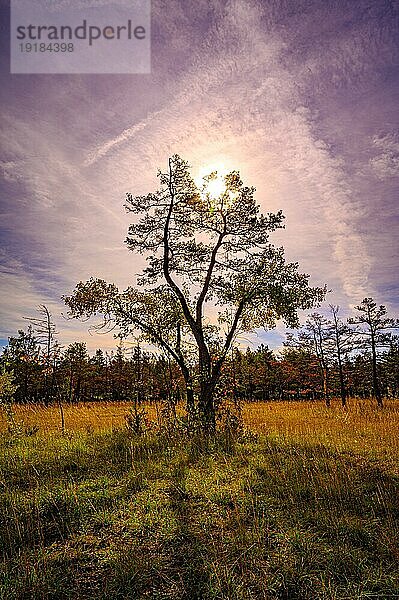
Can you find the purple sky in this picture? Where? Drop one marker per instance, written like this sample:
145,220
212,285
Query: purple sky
302,97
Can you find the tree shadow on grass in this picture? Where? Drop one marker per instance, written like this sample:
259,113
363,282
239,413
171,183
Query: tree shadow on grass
300,522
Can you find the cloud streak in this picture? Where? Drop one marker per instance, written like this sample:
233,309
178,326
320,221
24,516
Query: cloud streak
287,93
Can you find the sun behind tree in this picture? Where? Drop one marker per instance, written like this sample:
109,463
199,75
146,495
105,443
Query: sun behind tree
211,274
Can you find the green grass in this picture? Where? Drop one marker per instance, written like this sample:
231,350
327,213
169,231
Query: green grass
108,516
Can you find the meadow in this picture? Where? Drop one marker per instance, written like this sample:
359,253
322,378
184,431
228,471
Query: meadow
303,505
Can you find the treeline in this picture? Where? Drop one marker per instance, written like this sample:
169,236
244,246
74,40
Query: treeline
328,357
71,375
296,374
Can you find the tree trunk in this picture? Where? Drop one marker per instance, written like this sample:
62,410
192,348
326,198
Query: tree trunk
206,405
62,415
70,392
376,387
206,400
341,379
325,387
190,399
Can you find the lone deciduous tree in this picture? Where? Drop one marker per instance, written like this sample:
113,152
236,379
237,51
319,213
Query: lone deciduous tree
208,251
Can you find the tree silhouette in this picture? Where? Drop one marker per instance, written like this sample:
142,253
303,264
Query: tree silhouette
211,273
317,335
342,336
371,328
390,365
45,332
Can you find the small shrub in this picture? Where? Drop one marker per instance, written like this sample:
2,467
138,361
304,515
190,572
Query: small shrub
136,420
7,391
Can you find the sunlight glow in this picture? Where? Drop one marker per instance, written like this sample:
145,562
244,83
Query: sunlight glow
216,187
207,168
210,180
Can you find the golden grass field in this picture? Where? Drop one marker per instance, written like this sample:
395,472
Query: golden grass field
362,429
306,510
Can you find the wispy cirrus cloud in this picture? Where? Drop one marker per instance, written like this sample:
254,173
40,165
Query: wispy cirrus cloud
386,163
251,73
289,93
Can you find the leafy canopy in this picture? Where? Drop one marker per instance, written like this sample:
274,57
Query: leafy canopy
204,245
218,246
